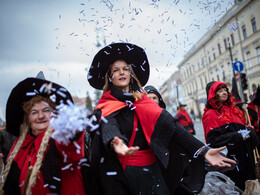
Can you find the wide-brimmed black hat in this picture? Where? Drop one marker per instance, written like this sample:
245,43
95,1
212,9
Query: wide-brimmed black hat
26,90
152,89
130,53
181,104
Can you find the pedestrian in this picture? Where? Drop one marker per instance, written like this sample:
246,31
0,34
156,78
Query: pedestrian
37,164
184,163
184,119
6,142
254,110
224,125
192,114
238,101
131,149
154,95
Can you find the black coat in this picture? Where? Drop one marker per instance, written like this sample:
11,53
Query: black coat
178,166
239,150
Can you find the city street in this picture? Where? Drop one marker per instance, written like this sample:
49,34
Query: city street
199,130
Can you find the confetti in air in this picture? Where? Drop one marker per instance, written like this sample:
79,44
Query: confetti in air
70,120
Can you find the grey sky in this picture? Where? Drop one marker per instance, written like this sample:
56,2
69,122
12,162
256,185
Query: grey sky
59,37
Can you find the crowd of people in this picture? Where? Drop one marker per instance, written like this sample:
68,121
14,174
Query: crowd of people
136,147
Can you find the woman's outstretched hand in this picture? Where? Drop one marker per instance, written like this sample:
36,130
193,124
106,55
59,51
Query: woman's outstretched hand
122,149
215,159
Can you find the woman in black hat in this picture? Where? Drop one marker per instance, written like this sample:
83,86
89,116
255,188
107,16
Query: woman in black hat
132,151
37,164
224,125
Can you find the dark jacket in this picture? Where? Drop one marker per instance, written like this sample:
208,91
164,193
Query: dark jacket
172,145
6,142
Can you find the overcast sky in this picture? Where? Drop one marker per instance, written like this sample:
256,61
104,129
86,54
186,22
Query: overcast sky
60,37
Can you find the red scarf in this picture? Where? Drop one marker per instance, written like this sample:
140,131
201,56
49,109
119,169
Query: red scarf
147,111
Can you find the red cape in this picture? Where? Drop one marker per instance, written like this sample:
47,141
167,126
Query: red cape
109,104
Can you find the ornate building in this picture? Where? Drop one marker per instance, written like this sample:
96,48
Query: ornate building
212,59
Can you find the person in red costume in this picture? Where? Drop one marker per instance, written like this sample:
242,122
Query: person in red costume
254,111
131,151
37,164
224,125
185,120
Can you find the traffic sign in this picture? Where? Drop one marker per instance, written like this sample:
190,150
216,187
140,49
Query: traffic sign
238,66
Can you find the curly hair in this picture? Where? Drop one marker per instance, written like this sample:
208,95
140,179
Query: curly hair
229,102
24,129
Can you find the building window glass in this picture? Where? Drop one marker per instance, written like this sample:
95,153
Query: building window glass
212,76
244,31
225,43
219,49
223,73
205,79
253,25
214,53
209,57
232,39
201,83
249,59
258,54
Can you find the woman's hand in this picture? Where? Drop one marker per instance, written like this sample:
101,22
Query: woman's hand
122,149
215,159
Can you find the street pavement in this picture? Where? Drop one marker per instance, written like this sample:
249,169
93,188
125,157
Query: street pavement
199,130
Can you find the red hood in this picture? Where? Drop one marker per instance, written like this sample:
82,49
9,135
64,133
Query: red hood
212,92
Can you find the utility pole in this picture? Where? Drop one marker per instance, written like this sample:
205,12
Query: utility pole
234,74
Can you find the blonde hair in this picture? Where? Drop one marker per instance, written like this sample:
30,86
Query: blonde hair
133,78
24,128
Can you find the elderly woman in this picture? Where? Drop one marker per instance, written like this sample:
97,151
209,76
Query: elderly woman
224,125
132,151
37,164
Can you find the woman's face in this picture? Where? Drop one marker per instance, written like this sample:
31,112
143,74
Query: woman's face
223,94
153,97
120,75
39,117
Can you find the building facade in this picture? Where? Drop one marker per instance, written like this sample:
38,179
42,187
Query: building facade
172,92
235,37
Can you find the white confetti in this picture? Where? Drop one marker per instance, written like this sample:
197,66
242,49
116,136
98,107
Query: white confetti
30,94
69,121
66,167
111,173
56,178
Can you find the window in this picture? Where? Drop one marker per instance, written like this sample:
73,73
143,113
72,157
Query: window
244,31
212,76
223,73
249,59
232,39
253,25
201,83
198,65
214,53
205,79
228,42
258,54
219,49
209,57
225,43
217,73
